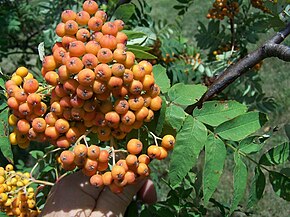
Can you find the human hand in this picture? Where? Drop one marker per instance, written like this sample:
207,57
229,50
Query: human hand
75,196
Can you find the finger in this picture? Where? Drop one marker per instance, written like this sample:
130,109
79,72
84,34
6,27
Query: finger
147,193
71,196
112,204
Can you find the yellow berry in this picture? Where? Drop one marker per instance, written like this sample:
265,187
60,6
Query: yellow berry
17,79
12,120
8,202
31,203
20,184
13,138
2,179
28,76
22,71
2,171
3,197
9,167
30,190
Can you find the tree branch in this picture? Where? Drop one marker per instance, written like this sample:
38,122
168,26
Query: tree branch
271,48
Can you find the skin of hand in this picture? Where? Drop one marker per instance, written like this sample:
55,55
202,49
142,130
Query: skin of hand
73,195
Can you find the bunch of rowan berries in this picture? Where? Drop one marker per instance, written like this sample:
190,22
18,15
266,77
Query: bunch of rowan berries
27,108
94,162
223,8
16,197
97,86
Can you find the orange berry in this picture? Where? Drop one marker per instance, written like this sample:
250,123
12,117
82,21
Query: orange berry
30,85
90,6
93,152
118,172
96,180
77,49
68,15
144,158
168,142
83,17
153,151
134,146
143,169
107,178
80,150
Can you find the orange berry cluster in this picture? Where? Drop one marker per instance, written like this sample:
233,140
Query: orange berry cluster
97,84
16,198
260,5
27,108
222,8
94,162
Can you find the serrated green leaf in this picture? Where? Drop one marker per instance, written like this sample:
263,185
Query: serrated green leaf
36,154
161,78
280,184
241,126
186,94
215,155
276,155
141,54
214,113
257,187
161,118
190,140
249,146
240,181
175,116
133,34
124,12
5,146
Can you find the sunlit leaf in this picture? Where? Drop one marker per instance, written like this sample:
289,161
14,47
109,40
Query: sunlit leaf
241,126
216,112
189,142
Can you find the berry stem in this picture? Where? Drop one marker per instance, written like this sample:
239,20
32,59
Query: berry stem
42,182
113,155
155,138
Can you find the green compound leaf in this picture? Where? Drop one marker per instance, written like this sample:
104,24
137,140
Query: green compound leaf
257,187
186,94
215,113
240,181
276,155
280,184
189,142
241,126
175,116
215,154
161,78
5,145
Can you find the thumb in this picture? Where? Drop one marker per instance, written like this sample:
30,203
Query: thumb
113,204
